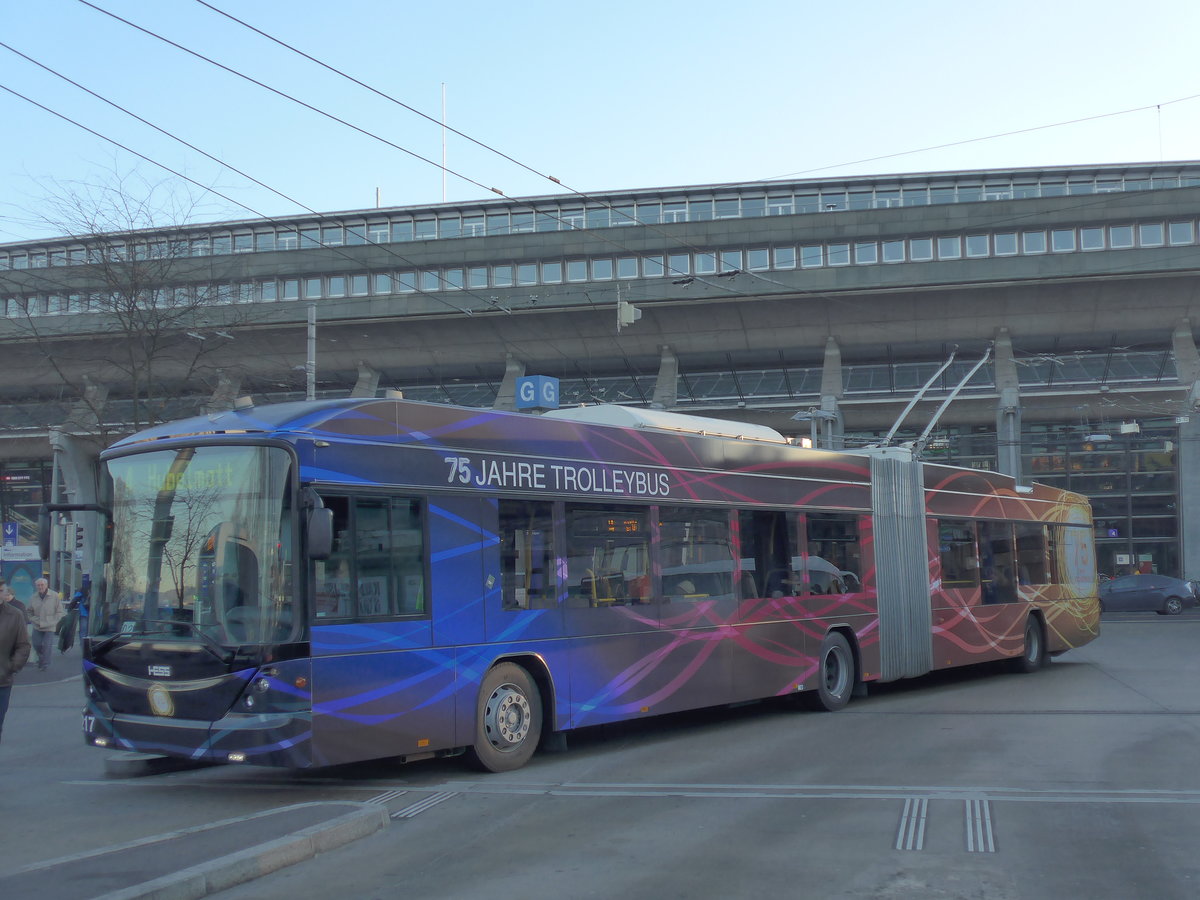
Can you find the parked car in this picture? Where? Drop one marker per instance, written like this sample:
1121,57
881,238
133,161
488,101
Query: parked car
1164,595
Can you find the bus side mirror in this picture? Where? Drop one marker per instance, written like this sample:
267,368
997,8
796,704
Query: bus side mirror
320,533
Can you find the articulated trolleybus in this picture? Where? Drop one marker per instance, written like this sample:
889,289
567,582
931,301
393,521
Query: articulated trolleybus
311,584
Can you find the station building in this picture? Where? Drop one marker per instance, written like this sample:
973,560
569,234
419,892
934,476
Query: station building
1041,322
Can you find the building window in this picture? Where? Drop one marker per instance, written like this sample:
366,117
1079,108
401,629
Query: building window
893,251
731,260
758,260
866,253
1033,242
602,269
779,206
337,286
1150,234
576,270
527,273
785,257
477,277
1005,243
312,288
977,245
291,289
627,267
838,254
430,280
1062,240
502,276
679,264
400,230
1091,238
358,285
653,267
706,264
1120,237
552,273
381,283
949,247
1180,233
920,249
811,257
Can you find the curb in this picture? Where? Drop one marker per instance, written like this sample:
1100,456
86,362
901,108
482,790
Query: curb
237,868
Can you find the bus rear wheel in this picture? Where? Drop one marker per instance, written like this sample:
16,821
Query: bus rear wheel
508,719
835,675
1033,655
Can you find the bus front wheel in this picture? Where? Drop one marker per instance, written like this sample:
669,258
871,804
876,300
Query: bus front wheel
508,719
835,675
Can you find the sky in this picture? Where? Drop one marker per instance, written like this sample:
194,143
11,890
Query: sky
600,96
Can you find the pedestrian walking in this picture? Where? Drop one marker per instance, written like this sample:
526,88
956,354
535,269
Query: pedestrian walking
14,648
46,610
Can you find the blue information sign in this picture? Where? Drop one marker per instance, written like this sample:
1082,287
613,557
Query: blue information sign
537,392
11,533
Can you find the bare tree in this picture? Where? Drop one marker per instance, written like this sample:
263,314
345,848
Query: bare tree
135,289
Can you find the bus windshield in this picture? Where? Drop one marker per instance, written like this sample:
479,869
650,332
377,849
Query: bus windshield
202,548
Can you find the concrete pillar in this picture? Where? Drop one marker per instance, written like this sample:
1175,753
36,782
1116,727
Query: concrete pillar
1187,453
831,429
666,386
368,381
506,397
1008,408
86,413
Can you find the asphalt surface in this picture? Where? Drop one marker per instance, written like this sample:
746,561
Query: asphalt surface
190,862
181,864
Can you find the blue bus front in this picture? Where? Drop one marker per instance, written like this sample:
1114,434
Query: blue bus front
198,641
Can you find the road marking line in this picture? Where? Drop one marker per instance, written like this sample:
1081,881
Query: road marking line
911,833
980,837
386,797
415,809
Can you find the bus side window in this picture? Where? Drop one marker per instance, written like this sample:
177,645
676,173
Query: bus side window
956,550
377,567
1032,555
834,558
527,558
607,555
768,541
333,575
696,554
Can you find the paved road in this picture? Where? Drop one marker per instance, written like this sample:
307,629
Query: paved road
1078,781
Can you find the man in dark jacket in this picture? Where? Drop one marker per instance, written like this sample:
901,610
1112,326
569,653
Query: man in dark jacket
14,649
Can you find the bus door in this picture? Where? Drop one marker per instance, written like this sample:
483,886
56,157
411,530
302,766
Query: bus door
610,609
380,687
698,609
773,652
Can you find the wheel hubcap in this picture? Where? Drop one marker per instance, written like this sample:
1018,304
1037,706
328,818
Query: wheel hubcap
506,717
835,674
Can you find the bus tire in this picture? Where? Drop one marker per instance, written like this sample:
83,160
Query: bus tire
835,675
508,719
1033,652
